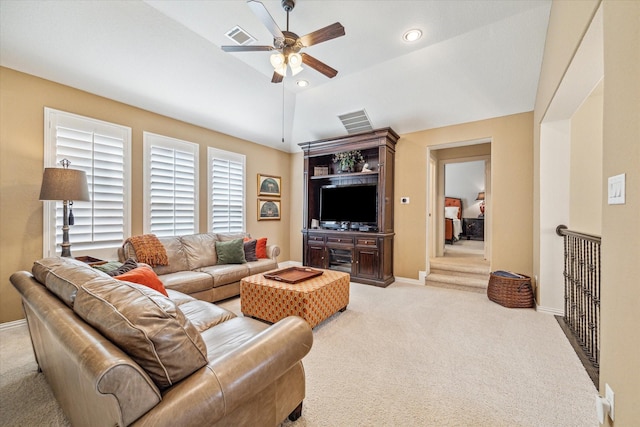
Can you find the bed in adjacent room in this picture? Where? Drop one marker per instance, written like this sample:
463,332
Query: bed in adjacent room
452,219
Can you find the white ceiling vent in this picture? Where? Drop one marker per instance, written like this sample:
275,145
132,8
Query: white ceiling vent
240,36
356,122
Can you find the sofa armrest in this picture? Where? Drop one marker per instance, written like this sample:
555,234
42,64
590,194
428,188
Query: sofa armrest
216,390
273,251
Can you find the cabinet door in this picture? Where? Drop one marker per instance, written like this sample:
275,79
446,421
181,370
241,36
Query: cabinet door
367,263
340,258
315,256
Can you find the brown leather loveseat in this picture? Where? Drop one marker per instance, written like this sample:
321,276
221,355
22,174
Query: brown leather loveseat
116,353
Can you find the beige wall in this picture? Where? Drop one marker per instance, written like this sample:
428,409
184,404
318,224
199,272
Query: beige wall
511,180
620,343
585,189
22,102
620,360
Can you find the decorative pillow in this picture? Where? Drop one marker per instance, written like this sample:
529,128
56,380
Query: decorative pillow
250,250
261,248
108,266
144,275
230,252
451,212
146,325
128,265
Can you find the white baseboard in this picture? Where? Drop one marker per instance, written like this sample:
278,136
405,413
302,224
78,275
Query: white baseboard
422,277
15,324
550,310
287,264
412,281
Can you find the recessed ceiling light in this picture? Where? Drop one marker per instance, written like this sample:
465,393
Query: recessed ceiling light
302,83
412,35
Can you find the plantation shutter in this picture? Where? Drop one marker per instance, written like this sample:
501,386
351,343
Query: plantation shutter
226,191
171,189
98,148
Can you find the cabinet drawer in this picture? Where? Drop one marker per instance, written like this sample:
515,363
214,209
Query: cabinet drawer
366,242
341,240
315,238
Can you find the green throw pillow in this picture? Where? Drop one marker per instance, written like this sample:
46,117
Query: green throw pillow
230,252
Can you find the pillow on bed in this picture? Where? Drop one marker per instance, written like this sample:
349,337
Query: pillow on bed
451,212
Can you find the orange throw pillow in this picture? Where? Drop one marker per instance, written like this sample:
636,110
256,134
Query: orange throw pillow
144,275
261,248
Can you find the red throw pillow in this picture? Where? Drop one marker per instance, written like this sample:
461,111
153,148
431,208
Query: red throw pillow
261,248
144,275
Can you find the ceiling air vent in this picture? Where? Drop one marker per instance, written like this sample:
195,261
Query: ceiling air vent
240,36
356,122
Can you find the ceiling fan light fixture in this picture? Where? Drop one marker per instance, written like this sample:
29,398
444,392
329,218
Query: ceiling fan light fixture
295,59
412,35
277,60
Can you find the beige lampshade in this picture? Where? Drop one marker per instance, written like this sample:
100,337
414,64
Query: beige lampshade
480,196
64,184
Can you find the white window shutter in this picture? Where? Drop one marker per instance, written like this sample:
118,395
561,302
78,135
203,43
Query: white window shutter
171,186
226,191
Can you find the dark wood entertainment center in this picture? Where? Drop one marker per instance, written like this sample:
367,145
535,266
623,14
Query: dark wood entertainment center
363,250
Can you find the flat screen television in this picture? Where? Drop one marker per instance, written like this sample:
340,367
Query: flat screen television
352,203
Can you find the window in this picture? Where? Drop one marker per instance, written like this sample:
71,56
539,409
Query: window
102,150
226,191
171,186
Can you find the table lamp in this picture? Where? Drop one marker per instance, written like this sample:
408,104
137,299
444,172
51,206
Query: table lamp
67,185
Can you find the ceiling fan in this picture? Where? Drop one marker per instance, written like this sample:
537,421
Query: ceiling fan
288,44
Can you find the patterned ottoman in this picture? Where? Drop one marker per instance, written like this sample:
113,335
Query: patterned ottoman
314,299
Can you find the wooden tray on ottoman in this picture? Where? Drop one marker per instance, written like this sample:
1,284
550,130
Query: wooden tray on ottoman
293,274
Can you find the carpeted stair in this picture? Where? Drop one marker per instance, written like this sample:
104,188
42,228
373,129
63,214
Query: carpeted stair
471,276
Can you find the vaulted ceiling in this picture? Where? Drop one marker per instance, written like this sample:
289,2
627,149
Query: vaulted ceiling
476,60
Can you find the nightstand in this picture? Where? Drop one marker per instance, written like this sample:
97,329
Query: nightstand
473,228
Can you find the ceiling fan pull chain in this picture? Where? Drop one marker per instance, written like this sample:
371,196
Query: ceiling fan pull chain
283,109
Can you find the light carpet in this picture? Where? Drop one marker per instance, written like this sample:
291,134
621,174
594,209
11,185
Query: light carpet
407,355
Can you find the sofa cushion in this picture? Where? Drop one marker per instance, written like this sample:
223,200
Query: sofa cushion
250,250
146,325
200,249
176,255
143,275
225,237
64,276
187,282
204,315
230,252
227,273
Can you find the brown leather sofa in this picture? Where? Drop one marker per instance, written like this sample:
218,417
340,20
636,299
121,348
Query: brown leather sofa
116,353
193,265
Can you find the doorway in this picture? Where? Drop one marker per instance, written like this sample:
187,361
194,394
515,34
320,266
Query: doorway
459,170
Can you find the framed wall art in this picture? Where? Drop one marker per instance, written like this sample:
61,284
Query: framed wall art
268,209
269,185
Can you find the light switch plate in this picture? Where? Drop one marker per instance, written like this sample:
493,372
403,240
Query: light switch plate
616,189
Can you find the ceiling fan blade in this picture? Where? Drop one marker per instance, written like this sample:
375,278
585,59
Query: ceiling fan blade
277,78
323,34
246,48
263,14
319,65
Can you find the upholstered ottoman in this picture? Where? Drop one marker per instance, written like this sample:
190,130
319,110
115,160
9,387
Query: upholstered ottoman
314,299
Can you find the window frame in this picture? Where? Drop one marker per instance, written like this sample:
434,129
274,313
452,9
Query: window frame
217,153
152,139
52,117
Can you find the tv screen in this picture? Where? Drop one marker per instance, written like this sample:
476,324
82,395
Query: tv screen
353,203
